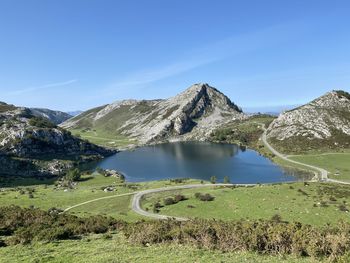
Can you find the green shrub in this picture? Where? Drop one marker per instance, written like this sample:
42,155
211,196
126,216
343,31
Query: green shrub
204,197
276,237
169,201
179,198
343,93
41,122
226,180
268,237
24,226
73,175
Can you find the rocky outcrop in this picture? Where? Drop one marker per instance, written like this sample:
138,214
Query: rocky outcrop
34,146
192,114
327,118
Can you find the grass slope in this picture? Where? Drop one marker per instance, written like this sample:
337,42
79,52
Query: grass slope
315,204
103,137
338,164
90,187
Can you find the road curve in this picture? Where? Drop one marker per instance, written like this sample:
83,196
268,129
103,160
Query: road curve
136,206
323,174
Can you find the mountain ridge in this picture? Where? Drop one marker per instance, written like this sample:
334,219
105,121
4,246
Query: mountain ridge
36,144
192,114
325,119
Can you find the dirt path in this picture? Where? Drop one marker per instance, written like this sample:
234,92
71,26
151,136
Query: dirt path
97,199
323,174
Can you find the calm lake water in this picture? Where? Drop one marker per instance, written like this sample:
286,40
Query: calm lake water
196,160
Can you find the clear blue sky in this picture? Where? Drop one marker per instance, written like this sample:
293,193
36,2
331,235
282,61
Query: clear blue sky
77,54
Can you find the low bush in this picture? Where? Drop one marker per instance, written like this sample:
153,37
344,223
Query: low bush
267,237
73,175
169,201
175,200
41,123
204,197
24,225
179,198
343,208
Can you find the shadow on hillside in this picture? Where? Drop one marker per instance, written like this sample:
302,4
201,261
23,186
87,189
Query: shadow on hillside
84,179
18,181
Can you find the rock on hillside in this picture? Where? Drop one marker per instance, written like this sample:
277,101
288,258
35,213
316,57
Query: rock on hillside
28,138
193,114
55,117
325,120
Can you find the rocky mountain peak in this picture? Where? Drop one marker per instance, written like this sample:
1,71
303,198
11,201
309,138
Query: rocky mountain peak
326,118
333,99
192,114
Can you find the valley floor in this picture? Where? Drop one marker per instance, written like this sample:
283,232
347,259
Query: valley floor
314,203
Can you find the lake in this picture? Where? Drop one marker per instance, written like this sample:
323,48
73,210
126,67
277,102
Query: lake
197,160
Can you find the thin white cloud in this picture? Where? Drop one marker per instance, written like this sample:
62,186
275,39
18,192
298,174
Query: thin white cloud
145,77
214,52
50,85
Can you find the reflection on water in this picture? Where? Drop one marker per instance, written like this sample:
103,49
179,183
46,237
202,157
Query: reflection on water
198,150
196,160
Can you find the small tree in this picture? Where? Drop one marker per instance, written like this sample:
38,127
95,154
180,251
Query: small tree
226,180
169,201
213,179
73,175
276,218
122,177
179,198
156,207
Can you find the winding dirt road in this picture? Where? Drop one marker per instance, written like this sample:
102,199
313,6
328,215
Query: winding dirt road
136,201
323,174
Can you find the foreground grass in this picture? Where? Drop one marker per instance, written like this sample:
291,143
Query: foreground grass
115,248
338,164
315,204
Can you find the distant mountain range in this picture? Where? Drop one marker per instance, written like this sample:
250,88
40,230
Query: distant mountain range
74,113
55,117
271,110
30,140
196,112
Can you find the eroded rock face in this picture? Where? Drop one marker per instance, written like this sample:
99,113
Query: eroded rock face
192,114
320,119
30,147
18,137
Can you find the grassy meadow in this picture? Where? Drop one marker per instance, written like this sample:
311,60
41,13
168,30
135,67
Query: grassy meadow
315,203
103,138
45,195
337,164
